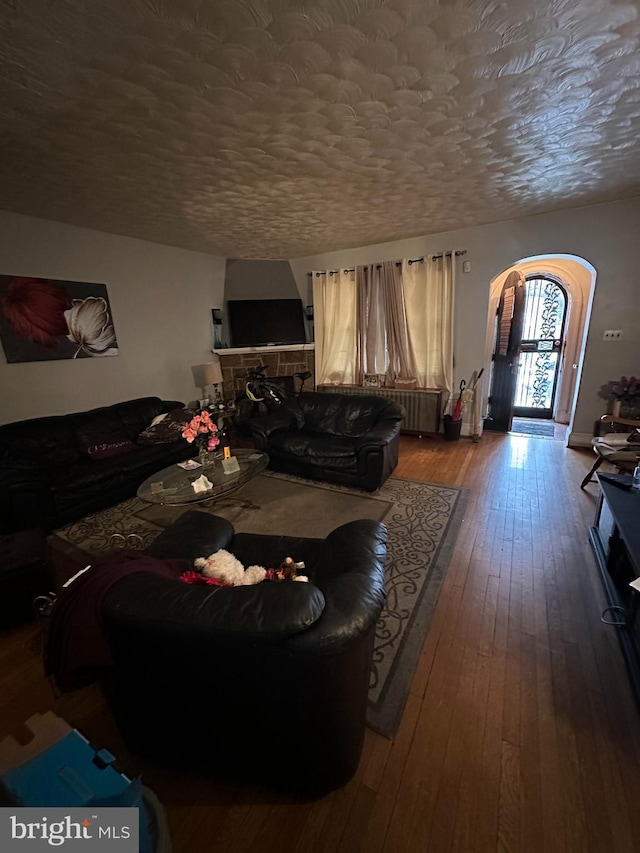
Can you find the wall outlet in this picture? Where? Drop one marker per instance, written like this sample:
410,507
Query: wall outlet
612,335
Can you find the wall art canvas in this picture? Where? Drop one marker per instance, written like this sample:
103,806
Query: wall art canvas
44,319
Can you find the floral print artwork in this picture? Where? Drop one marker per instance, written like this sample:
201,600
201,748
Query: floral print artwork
89,326
45,319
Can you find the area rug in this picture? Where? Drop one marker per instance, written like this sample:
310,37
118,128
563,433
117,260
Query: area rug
525,426
422,519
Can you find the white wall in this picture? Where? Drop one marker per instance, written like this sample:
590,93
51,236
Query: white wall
605,235
161,300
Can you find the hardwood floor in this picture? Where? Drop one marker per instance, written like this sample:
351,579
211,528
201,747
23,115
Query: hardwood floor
520,733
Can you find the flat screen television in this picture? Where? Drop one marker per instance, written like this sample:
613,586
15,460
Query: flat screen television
260,322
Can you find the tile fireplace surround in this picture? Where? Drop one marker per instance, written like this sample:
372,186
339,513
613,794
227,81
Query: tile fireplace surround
280,361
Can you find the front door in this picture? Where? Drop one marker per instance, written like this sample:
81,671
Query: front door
541,348
506,352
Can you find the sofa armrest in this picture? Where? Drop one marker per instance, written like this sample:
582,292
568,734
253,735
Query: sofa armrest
381,434
26,501
352,581
194,534
253,615
278,420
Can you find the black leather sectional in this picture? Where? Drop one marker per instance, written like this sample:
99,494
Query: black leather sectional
55,470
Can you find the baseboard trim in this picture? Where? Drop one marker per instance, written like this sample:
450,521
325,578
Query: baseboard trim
579,439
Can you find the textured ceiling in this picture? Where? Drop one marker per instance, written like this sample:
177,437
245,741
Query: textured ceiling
275,128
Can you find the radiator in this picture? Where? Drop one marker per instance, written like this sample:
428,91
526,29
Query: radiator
422,405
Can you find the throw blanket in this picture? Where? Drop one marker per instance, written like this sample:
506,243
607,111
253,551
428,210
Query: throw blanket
76,647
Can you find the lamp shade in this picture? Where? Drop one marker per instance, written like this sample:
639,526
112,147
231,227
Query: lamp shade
207,374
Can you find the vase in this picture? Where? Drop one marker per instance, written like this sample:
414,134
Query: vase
630,409
205,458
615,409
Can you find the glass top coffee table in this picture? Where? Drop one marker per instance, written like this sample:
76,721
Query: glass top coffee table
172,485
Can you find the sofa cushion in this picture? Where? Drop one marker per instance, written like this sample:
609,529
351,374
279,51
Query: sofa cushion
168,429
107,447
154,458
100,435
315,446
341,414
136,415
49,442
86,474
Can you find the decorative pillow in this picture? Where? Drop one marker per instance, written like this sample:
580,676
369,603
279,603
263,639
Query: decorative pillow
168,429
108,447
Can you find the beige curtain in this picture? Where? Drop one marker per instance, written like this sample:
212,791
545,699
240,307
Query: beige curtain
429,297
370,355
335,320
383,339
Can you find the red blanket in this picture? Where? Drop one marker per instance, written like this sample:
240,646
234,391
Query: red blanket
76,647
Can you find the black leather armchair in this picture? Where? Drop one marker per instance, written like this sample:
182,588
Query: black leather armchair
267,682
340,438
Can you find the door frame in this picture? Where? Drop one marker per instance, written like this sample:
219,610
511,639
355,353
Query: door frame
578,277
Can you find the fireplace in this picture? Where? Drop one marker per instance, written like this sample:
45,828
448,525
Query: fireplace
282,363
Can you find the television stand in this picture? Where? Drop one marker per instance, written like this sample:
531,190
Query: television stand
615,540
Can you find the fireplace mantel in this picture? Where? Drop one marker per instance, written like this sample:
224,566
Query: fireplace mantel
278,348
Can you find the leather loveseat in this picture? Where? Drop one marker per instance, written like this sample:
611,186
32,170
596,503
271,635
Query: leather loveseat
267,683
340,438
54,470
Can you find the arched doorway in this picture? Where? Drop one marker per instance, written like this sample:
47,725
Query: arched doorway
576,279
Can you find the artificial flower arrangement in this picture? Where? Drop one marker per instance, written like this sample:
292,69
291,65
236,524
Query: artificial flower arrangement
223,569
203,431
621,389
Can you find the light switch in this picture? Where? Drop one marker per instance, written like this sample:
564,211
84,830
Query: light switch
466,266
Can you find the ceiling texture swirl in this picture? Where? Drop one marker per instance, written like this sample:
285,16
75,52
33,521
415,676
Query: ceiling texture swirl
283,128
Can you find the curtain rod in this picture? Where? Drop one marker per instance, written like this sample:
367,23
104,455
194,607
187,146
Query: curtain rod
457,253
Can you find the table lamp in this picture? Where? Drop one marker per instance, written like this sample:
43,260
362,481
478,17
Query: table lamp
207,374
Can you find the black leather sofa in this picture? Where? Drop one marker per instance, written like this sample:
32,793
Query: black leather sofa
266,683
49,475
340,438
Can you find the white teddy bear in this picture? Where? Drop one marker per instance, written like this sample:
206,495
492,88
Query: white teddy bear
227,569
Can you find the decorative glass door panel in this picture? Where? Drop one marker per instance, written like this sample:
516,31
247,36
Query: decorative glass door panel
540,348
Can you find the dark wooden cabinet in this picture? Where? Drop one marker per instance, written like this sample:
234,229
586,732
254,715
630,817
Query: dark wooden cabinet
615,539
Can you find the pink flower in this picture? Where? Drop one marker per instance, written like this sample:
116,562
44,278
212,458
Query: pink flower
201,425
189,434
